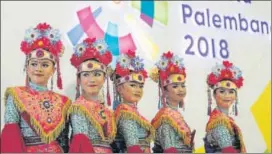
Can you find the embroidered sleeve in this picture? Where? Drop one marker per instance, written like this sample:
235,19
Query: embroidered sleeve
166,136
222,136
79,124
129,130
11,114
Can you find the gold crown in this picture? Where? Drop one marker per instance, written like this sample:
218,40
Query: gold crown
174,78
41,54
154,75
137,77
225,84
91,65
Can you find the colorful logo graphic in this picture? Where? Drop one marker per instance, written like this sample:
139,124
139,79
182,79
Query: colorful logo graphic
89,26
151,10
120,44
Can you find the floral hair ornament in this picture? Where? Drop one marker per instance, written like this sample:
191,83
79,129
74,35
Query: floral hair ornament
224,75
43,42
92,55
129,67
169,69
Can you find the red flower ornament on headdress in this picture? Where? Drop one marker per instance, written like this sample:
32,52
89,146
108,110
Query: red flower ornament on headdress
167,65
127,62
42,36
169,69
44,42
224,75
91,48
226,71
94,50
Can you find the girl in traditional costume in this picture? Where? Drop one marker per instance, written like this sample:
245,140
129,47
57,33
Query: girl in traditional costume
172,132
93,124
35,117
134,132
222,133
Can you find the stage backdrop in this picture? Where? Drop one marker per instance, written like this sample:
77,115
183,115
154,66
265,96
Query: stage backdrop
203,33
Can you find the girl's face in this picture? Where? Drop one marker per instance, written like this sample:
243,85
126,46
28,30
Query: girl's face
40,70
224,97
131,92
176,91
92,82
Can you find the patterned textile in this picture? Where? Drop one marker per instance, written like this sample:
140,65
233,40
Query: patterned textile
93,120
133,129
40,115
171,131
223,132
